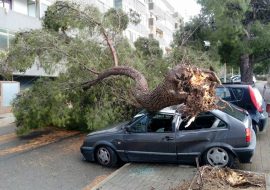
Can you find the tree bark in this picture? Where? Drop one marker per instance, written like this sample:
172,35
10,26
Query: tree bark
246,69
183,84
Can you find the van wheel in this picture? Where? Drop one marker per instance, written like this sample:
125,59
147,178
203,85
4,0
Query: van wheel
217,156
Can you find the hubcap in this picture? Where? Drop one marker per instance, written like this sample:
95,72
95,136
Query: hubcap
217,157
103,155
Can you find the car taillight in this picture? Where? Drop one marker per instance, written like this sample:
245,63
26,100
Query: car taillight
256,101
248,135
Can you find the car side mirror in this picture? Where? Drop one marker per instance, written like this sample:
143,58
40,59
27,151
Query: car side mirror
127,128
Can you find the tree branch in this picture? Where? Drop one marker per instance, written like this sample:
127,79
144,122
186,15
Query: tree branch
103,31
262,57
113,50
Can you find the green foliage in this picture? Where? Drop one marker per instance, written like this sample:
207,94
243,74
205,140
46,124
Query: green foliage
116,20
4,72
134,17
46,103
63,15
148,47
238,27
233,27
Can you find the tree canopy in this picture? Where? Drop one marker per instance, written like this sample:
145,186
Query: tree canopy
237,29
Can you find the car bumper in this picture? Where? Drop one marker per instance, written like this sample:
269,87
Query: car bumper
263,122
245,154
88,153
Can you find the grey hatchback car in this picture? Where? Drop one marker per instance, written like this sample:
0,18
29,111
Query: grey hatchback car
216,137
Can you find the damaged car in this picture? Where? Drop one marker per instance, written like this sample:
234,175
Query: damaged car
217,138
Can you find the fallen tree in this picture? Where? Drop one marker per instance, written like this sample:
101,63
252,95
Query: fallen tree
191,86
88,93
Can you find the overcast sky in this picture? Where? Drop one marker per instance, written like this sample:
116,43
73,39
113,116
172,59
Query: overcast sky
186,8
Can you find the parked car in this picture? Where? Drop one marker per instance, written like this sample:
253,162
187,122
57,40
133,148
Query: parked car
222,79
217,138
248,98
237,79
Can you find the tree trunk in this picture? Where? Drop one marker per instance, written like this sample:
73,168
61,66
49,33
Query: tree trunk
246,69
183,84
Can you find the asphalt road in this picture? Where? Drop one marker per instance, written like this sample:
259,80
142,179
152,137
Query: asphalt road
58,165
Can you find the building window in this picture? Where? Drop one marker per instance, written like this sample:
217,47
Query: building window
5,38
151,22
118,4
159,33
151,6
3,41
33,8
6,4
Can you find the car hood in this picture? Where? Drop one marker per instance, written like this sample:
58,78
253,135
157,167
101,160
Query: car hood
112,129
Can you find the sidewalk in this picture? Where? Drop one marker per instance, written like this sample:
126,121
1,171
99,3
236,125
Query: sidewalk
134,176
6,118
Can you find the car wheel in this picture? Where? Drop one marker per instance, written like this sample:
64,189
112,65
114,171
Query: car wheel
255,127
217,156
106,156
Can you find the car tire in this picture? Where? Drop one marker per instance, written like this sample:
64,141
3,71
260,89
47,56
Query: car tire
255,127
218,156
105,156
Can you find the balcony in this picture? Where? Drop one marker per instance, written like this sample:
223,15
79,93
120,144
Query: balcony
14,21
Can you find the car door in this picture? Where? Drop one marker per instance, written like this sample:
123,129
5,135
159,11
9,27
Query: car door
206,130
151,138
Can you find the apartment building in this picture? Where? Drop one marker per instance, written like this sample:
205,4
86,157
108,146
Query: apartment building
133,32
21,15
158,20
163,22
15,16
102,5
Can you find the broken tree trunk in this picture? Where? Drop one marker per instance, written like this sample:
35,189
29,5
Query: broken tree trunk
182,85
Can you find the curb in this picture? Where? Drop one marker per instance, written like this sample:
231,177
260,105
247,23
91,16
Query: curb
267,181
96,187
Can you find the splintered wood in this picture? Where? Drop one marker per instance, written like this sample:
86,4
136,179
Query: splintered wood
200,87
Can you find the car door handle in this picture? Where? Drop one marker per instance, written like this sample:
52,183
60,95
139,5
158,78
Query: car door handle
167,138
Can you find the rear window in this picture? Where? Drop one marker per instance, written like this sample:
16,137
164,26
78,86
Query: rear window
224,93
232,110
238,93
